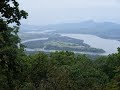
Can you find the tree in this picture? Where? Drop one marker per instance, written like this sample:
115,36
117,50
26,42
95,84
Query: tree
38,69
10,47
10,12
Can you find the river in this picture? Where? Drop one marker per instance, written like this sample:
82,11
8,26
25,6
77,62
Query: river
37,39
110,46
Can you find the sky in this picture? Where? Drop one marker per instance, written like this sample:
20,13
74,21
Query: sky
43,12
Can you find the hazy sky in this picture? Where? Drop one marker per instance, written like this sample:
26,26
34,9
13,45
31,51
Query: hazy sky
43,12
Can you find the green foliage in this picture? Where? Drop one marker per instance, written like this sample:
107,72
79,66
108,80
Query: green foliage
10,48
10,11
64,71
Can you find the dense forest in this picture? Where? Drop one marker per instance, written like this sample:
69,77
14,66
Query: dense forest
54,71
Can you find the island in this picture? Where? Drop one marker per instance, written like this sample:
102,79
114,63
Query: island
62,43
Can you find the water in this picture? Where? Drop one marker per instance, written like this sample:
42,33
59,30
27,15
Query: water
37,39
110,46
41,32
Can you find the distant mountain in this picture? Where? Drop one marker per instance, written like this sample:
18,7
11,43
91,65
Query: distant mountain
104,29
89,26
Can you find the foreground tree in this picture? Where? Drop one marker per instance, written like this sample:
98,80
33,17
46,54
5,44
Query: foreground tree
10,48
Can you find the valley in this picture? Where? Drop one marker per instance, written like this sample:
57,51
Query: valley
86,37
